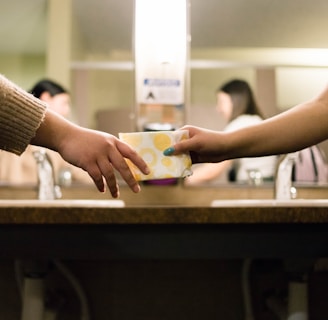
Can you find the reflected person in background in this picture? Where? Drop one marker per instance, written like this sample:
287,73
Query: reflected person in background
237,105
302,126
23,170
25,119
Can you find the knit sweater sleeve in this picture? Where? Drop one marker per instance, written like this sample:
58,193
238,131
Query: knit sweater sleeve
20,116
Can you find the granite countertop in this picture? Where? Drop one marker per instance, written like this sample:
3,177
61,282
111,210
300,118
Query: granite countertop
94,212
163,205
103,229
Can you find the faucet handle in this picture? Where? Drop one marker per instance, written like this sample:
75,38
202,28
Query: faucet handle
283,180
57,192
48,190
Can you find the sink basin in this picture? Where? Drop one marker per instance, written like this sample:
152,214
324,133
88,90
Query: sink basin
63,203
271,203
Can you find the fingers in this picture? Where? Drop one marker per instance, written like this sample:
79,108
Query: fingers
169,151
182,146
106,172
117,160
178,148
97,179
103,168
129,179
127,152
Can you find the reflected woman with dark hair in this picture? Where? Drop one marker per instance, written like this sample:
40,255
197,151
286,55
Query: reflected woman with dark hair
46,85
54,94
235,102
242,99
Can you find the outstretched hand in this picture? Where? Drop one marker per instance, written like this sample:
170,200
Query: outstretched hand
203,145
96,152
99,154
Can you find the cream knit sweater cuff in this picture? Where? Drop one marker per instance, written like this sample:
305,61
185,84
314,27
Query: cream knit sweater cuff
20,116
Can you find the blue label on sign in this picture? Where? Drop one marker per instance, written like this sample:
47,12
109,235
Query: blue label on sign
162,82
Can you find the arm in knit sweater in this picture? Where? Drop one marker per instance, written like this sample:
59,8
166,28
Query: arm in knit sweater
25,120
20,116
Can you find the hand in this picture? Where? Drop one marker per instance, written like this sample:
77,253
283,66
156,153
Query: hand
99,154
96,152
203,145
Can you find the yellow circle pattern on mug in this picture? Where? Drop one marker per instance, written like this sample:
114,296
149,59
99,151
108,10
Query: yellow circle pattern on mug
162,141
150,146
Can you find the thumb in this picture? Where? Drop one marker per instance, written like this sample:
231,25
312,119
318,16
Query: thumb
183,146
178,148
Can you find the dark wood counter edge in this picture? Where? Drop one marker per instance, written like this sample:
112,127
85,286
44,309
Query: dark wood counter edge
162,215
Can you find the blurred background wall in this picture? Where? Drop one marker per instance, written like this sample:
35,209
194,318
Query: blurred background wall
88,47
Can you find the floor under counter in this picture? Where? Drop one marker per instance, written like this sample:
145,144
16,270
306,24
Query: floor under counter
162,290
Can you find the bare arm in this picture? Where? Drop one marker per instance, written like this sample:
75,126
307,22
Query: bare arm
295,129
304,125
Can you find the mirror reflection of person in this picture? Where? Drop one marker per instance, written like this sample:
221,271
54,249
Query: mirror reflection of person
23,169
237,105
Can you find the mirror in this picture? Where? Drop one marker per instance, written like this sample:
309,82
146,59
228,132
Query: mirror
228,39
272,44
277,47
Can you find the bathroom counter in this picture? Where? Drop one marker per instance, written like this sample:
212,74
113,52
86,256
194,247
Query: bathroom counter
93,229
174,195
95,212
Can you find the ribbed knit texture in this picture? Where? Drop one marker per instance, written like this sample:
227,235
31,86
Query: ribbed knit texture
20,116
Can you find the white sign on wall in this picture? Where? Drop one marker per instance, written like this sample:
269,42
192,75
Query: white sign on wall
160,51
164,91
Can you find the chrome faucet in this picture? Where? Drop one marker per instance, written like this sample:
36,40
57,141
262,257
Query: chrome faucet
284,190
48,190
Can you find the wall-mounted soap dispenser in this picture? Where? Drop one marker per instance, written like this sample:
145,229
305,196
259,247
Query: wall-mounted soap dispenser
161,48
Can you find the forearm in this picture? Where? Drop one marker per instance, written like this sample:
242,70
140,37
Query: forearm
52,131
293,130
